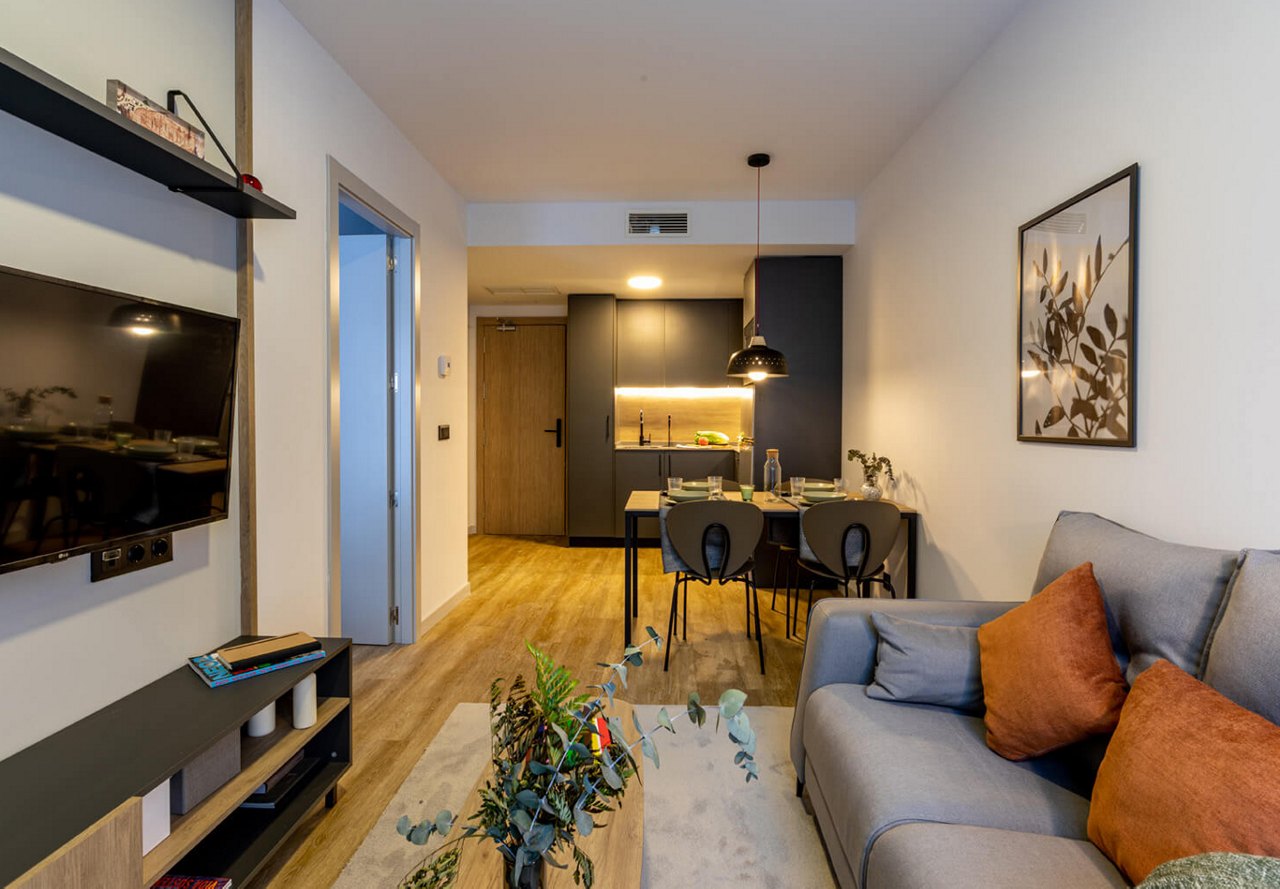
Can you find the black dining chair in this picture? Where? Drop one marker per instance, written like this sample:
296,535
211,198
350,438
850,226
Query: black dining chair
712,541
847,541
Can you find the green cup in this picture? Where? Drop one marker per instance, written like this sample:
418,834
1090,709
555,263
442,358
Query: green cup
747,491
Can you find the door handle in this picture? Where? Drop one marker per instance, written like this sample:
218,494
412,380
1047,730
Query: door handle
606,427
559,430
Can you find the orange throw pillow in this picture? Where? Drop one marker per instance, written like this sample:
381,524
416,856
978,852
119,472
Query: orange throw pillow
1049,676
1187,771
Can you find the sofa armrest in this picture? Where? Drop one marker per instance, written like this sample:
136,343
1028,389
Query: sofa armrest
840,647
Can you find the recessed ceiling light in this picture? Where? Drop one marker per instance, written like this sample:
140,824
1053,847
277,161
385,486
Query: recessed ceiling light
644,282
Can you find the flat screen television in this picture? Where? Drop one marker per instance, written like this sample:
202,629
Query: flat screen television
115,417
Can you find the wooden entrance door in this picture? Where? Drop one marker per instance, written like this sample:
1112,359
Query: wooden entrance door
521,455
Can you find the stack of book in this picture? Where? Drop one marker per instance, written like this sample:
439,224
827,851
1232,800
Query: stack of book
235,662
273,792
174,881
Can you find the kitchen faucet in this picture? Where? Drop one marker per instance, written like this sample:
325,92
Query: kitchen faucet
668,430
642,441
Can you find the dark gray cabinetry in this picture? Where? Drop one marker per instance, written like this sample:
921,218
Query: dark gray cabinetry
636,471
677,342
642,470
800,414
803,301
700,464
589,356
641,342
699,337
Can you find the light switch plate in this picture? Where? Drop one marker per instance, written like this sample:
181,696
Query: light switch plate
442,432
444,365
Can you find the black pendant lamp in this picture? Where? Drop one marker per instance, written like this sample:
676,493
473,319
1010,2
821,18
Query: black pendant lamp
757,362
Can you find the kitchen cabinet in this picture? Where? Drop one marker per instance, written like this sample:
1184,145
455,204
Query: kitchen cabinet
636,470
648,470
699,335
677,342
641,342
589,358
800,414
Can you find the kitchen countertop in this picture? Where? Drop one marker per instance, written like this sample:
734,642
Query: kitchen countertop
632,446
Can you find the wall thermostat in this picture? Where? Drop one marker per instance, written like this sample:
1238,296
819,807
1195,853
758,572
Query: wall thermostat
444,364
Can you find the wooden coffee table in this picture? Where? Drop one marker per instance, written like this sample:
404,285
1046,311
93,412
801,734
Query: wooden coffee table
615,850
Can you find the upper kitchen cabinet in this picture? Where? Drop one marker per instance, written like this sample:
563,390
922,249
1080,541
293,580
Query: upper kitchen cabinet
677,342
700,335
641,342
589,356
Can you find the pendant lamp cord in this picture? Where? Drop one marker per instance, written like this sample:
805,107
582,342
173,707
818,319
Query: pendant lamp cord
757,251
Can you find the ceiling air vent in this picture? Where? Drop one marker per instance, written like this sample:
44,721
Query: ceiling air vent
544,292
667,224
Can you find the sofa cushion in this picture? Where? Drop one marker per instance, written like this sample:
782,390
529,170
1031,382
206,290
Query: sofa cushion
926,663
1186,772
1049,676
1244,659
882,763
957,856
1162,597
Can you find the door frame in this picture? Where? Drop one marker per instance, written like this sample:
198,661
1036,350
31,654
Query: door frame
481,402
407,590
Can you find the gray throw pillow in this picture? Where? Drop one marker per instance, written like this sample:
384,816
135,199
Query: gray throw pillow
926,664
1244,659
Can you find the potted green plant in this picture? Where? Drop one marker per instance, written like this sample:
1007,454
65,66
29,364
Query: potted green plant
24,403
560,759
872,466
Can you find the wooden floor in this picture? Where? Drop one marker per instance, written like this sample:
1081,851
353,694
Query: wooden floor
566,601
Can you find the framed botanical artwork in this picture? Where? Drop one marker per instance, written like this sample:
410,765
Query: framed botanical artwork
1077,277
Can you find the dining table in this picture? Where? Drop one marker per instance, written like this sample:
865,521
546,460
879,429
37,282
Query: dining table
776,509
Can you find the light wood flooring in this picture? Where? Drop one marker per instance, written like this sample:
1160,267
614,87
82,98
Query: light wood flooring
566,601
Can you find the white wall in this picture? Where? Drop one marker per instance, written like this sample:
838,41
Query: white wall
1070,93
306,109
71,214
475,312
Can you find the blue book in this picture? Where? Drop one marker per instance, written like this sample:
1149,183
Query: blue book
215,673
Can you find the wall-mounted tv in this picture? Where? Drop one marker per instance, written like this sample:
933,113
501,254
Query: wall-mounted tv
115,417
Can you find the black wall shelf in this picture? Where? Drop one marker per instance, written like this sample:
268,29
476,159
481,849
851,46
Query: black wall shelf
43,100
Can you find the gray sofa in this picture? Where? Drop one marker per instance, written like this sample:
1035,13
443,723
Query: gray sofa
909,795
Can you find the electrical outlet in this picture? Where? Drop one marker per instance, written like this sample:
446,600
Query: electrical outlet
131,555
442,432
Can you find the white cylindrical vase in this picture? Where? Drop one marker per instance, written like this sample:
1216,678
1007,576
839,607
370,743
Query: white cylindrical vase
263,722
304,703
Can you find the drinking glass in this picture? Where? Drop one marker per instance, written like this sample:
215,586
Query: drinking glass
838,485
123,439
714,485
674,484
186,447
747,491
797,485
164,435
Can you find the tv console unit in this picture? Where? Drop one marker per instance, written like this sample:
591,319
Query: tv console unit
72,813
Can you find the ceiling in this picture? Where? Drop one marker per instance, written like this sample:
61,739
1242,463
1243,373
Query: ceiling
687,270
656,99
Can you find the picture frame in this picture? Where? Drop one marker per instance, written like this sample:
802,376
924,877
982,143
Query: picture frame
1077,318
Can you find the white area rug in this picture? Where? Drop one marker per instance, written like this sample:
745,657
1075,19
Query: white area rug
704,826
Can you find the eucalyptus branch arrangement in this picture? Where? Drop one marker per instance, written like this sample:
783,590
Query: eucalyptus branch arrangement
1086,368
559,760
872,465
24,403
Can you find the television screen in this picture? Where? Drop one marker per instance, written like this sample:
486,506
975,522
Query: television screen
115,417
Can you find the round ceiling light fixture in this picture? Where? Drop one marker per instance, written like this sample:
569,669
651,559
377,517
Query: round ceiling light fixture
757,362
644,282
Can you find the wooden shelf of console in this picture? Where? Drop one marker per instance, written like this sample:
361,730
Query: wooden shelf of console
41,99
85,782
